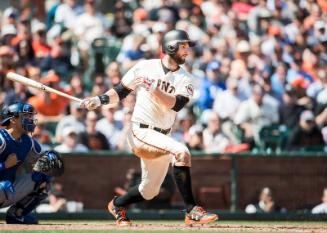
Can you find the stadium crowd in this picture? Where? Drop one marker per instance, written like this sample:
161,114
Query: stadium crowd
259,69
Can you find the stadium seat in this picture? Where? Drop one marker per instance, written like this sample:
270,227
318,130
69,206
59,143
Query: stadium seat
103,51
272,138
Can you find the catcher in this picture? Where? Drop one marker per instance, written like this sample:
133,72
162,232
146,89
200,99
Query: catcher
25,192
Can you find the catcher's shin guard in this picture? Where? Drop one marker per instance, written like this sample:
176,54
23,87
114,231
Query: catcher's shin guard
19,213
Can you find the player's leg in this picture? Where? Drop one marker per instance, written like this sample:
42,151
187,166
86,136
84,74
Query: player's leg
153,174
25,198
156,143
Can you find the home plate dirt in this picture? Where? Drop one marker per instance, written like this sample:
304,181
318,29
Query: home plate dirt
225,227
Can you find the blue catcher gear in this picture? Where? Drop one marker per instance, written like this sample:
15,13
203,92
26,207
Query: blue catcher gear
49,164
20,212
7,186
20,109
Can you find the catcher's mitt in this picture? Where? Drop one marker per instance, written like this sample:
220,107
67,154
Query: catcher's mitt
49,164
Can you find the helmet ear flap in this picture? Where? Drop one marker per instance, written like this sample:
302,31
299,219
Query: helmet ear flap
171,49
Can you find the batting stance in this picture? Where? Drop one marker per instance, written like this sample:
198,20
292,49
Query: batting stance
162,89
23,193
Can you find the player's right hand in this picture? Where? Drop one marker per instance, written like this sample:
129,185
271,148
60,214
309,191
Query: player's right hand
91,103
147,83
7,186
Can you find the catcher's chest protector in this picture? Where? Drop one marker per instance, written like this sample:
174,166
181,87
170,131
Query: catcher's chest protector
8,146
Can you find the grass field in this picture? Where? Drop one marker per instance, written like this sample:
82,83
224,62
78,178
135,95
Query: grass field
167,226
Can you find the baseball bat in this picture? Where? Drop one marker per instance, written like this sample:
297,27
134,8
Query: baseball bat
31,83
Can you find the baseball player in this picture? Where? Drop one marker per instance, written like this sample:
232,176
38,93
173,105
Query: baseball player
23,193
162,89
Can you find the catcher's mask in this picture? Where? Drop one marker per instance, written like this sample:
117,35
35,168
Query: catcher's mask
25,110
172,39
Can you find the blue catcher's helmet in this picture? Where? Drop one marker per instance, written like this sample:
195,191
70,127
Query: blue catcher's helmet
15,110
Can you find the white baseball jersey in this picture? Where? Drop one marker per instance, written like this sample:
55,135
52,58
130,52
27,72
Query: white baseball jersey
148,109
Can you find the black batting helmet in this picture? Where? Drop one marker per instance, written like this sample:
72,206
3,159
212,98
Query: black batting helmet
172,38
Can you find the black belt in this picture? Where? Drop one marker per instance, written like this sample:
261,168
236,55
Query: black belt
163,131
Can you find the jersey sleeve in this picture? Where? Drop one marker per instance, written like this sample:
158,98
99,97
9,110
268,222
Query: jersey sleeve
186,88
128,79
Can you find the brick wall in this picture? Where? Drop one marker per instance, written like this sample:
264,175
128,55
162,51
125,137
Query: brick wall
295,181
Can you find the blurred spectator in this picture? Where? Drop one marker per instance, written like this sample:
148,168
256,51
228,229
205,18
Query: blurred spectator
42,100
306,135
8,32
93,139
278,81
58,59
210,86
321,208
108,125
39,43
318,86
272,43
127,106
185,120
75,120
19,93
10,16
195,138
113,73
226,104
289,110
122,143
258,111
76,87
266,203
214,140
89,26
70,142
56,200
42,136
67,13
99,86
239,67
22,44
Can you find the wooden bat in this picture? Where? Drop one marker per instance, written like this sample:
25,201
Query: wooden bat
31,83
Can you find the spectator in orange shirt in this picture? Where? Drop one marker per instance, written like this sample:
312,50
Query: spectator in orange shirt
49,105
39,43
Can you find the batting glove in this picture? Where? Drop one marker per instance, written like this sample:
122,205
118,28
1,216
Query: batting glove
91,103
7,186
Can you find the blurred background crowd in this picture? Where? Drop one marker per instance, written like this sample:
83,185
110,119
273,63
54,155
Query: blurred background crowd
259,68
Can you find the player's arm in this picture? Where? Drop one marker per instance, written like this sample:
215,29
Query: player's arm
113,96
175,103
11,159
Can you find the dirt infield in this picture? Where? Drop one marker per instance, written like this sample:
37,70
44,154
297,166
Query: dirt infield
167,227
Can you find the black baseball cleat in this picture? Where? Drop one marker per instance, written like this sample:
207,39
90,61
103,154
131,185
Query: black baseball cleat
199,216
27,219
119,213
